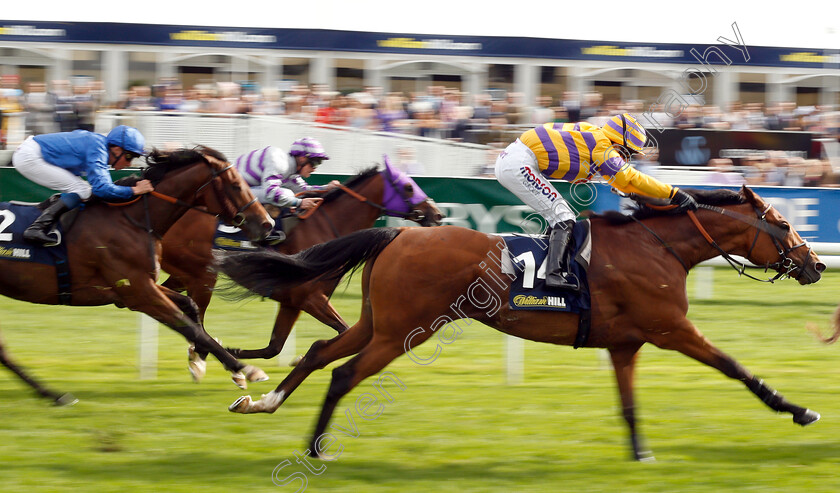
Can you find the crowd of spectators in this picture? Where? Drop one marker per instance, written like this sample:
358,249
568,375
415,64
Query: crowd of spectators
492,118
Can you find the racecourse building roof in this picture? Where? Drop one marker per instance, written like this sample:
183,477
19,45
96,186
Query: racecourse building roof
408,43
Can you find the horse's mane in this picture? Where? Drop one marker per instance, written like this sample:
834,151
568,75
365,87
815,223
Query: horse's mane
707,197
162,162
353,181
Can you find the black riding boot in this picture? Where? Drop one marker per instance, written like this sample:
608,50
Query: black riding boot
558,242
37,231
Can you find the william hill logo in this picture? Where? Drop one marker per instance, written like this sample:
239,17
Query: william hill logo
522,300
223,242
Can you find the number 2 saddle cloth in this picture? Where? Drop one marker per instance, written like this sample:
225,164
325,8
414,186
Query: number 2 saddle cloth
15,217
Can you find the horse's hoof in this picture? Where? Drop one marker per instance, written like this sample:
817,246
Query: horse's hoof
646,456
296,360
806,418
240,380
198,366
66,400
255,374
241,405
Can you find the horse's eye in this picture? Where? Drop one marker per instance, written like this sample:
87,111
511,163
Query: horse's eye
785,226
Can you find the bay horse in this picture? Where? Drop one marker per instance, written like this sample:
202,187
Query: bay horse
418,280
354,205
112,250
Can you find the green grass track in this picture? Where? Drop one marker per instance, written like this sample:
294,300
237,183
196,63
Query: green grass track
457,427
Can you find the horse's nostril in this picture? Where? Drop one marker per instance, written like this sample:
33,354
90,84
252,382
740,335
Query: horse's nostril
820,267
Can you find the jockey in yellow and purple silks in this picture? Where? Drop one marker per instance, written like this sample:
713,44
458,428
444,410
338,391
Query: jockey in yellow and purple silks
576,152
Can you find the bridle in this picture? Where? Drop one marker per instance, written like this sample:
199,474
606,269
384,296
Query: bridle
413,214
783,267
237,219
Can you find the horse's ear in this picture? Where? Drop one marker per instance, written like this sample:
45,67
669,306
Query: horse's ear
749,194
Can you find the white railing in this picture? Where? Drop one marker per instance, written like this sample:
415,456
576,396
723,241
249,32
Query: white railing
350,149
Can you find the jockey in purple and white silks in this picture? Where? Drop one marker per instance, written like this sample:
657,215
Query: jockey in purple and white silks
275,176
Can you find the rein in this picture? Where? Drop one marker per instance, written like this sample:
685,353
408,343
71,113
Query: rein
237,220
413,215
783,268
385,210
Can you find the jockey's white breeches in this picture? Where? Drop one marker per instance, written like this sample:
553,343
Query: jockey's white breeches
30,163
518,171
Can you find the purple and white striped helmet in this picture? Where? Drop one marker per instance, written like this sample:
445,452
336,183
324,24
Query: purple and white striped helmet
308,147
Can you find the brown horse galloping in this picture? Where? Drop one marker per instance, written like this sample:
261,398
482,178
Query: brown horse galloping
356,204
637,278
112,251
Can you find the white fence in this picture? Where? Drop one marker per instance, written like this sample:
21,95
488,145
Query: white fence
350,149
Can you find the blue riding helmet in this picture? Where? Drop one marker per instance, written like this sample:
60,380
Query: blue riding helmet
129,138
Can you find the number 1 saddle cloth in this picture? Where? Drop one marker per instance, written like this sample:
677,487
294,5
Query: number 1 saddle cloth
525,260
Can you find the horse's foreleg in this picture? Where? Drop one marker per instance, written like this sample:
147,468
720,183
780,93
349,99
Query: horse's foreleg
693,344
196,356
624,364
320,354
58,399
200,290
163,305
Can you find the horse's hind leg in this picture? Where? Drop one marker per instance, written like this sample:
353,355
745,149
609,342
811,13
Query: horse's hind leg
58,399
373,358
689,341
624,364
320,354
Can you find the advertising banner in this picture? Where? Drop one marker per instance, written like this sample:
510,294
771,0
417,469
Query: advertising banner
484,205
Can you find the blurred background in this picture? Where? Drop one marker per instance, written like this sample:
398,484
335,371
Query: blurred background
720,111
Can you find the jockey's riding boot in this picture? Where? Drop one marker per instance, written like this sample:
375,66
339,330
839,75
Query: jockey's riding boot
37,231
558,242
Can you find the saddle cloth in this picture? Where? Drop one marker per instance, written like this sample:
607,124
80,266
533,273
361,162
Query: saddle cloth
526,258
231,238
14,219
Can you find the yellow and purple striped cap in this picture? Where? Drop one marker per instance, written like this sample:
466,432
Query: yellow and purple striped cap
625,130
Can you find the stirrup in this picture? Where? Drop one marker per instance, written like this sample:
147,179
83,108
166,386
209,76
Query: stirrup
561,281
274,239
40,237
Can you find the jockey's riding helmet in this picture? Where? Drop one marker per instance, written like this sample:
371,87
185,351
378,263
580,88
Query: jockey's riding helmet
624,130
311,148
129,138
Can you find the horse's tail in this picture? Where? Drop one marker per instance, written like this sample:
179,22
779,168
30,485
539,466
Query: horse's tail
262,272
831,339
